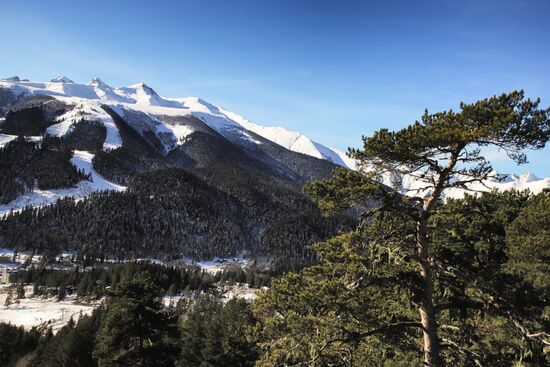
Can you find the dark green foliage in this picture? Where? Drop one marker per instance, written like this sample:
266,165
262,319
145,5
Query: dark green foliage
470,233
135,330
359,304
113,165
215,334
354,308
447,264
475,290
285,240
72,346
169,212
24,163
15,342
51,165
528,251
30,121
15,158
86,135
30,115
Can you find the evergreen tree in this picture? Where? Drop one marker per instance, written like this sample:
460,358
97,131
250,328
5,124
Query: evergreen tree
20,291
72,346
134,328
372,282
216,334
9,298
529,243
15,342
62,292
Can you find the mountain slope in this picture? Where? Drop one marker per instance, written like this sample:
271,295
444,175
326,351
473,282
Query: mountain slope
187,132
161,177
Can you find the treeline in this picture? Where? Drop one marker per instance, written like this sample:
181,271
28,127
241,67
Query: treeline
172,212
25,165
92,283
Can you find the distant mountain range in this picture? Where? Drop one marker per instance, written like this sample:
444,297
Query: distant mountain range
143,131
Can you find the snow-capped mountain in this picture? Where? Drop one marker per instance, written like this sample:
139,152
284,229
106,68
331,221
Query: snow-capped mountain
143,98
185,131
61,79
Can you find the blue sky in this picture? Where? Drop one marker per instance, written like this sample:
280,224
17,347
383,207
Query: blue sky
334,70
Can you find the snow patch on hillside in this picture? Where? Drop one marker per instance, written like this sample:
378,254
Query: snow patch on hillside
293,140
181,132
48,312
90,111
82,160
5,139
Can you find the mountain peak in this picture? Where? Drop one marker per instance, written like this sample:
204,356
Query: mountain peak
97,81
528,177
144,88
12,79
61,79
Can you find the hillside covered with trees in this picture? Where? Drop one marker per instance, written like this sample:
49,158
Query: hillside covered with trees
357,306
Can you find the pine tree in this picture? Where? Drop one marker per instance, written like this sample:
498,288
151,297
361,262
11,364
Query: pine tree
71,346
9,298
134,328
216,334
376,286
61,292
20,291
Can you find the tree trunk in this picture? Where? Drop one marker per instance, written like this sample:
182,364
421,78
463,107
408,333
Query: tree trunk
427,311
432,349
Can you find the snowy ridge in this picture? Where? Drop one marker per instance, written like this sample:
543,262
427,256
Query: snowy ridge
413,184
142,98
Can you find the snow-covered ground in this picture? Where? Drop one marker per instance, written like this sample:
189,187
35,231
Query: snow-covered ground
82,160
226,292
218,264
49,312
30,311
239,291
5,139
